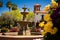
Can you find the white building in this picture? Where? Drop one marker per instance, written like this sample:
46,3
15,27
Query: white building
38,13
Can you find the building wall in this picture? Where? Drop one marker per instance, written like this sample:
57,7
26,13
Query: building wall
38,17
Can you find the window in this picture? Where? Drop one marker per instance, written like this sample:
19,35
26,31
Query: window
37,8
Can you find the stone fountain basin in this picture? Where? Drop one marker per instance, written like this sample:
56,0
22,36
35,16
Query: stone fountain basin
15,36
11,33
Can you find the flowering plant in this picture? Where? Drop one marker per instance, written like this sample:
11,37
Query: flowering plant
51,23
48,27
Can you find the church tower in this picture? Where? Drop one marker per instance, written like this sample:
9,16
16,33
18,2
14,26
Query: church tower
37,8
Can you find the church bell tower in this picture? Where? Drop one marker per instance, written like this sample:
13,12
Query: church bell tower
37,8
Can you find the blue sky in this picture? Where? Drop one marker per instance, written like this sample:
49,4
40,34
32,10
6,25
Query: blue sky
29,4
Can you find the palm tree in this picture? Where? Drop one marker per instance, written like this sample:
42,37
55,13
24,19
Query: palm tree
29,9
1,3
9,5
14,7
